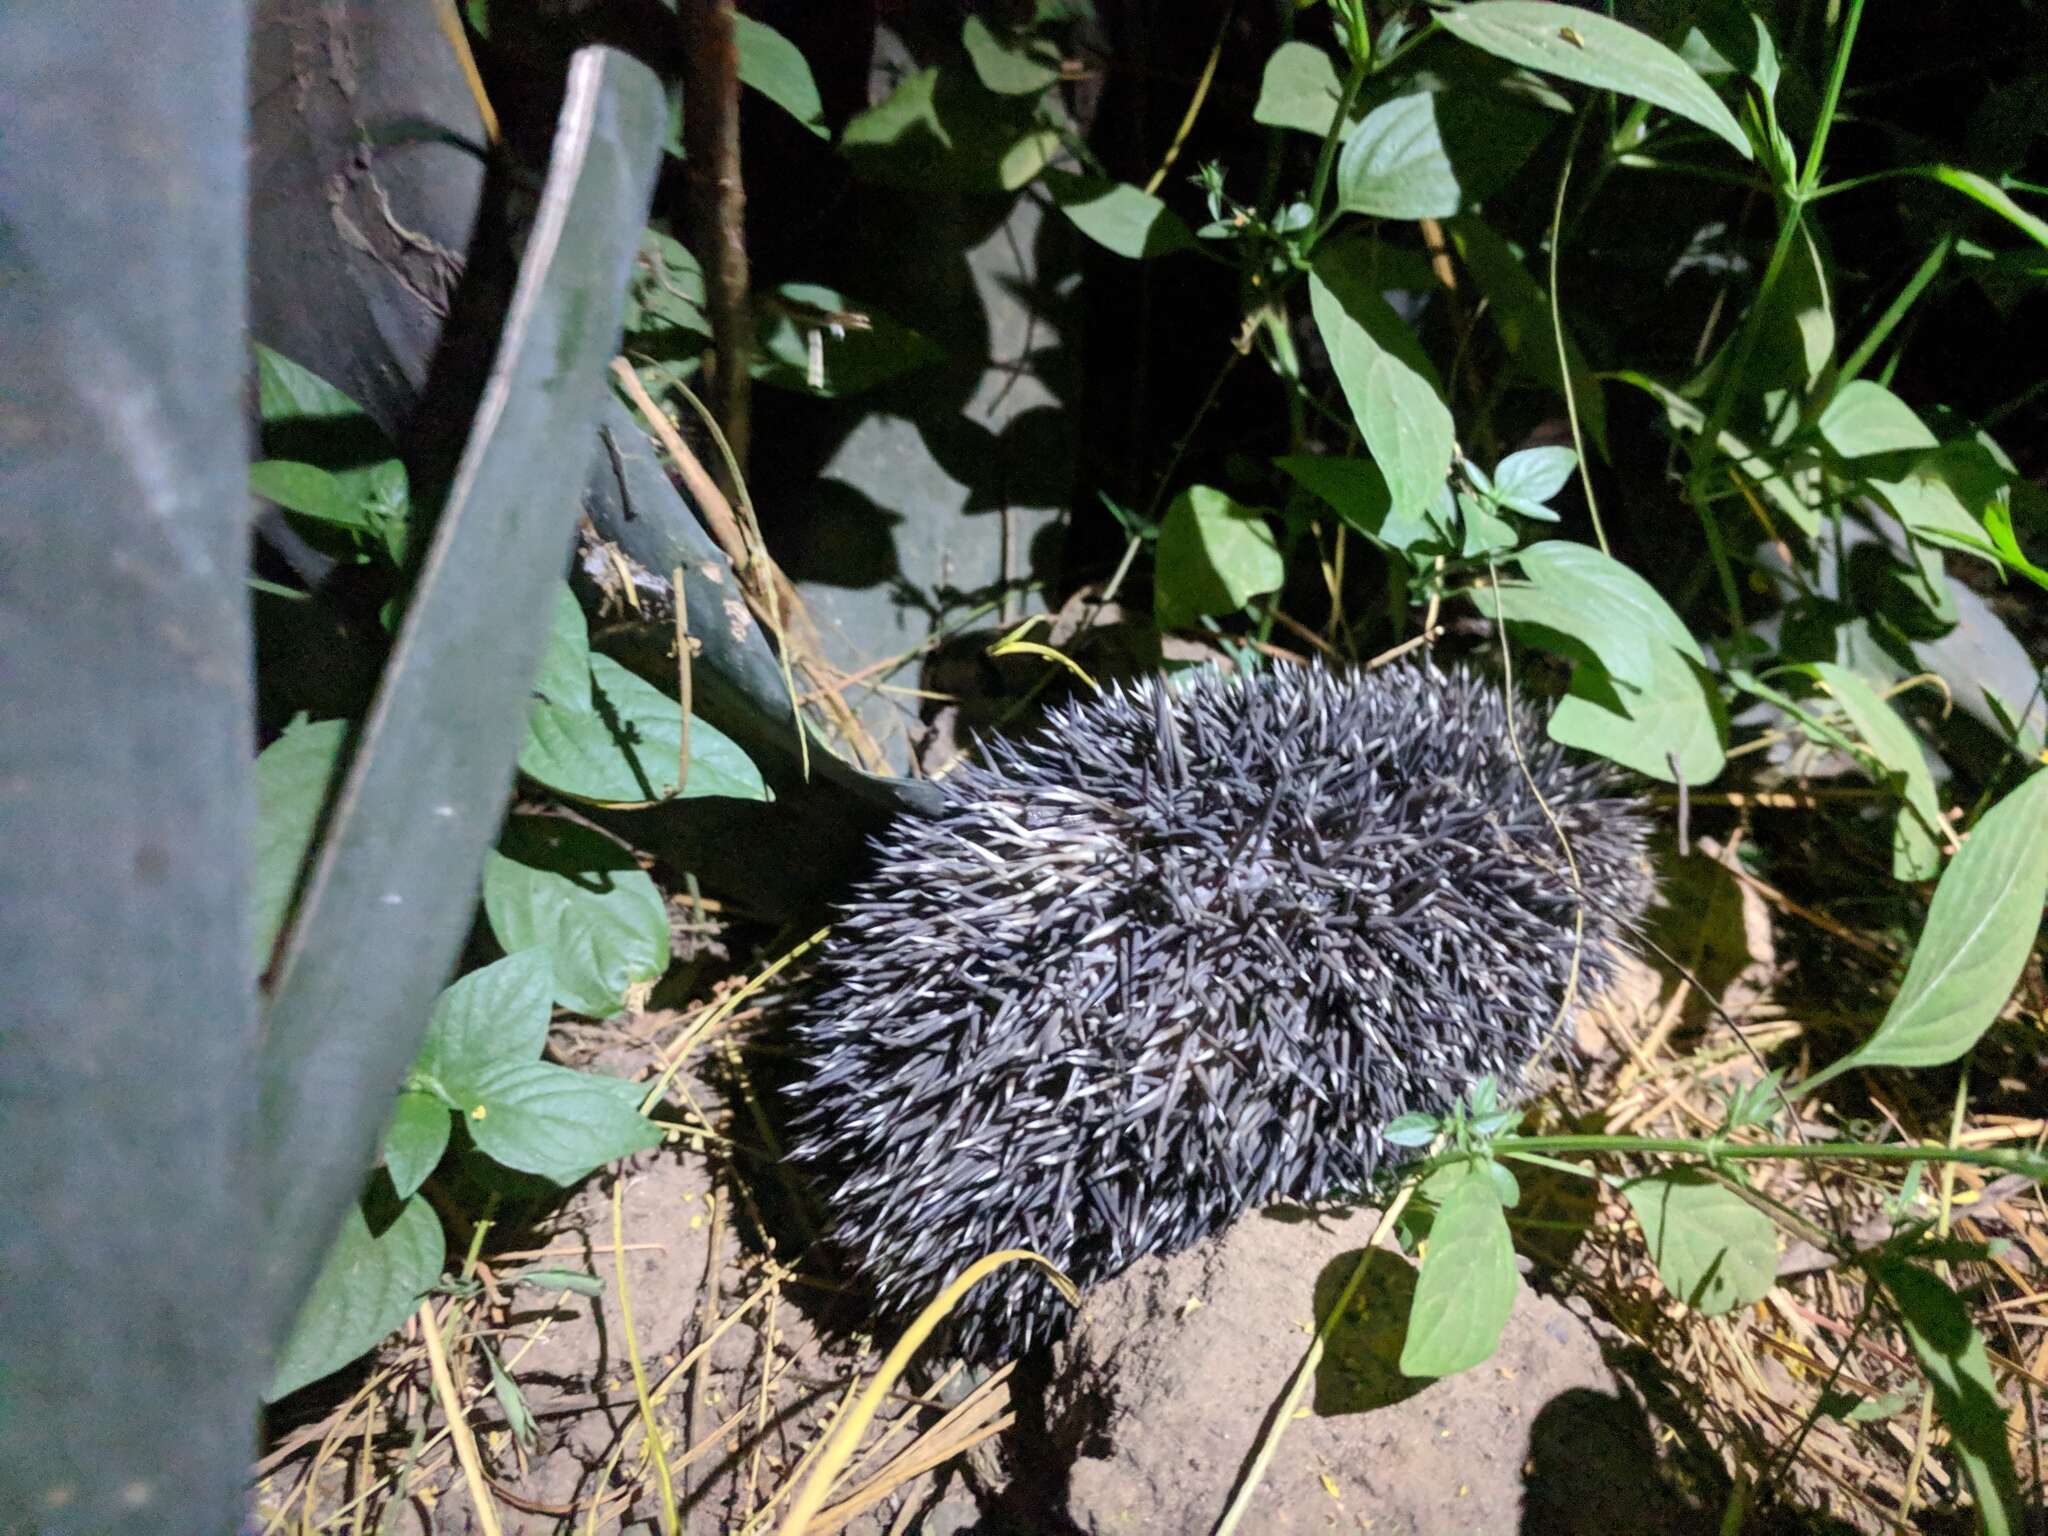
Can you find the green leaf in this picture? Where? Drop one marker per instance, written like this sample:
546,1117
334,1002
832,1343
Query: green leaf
1594,605
498,1013
322,454
773,65
293,777
1958,1368
564,676
1394,165
539,1118
667,293
944,128
1865,418
1213,557
1004,69
511,1403
309,490
559,1280
1117,216
1585,46
1677,713
1713,1250
580,897
817,340
1989,194
1438,148
626,749
1387,380
369,1285
1468,1283
1980,928
417,1137
1535,475
1299,89
1357,489
1916,850
1785,491
1410,1130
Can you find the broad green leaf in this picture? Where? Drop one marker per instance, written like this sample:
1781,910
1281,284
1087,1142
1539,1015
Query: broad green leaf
357,479
667,293
580,897
626,749
287,392
1519,308
1989,194
1585,46
1596,604
944,128
1387,380
415,1141
1678,713
540,1118
564,676
1117,216
1005,69
1534,475
1411,1130
293,775
1713,1250
308,490
773,65
1951,1352
1438,148
1394,165
1865,418
497,1013
1299,89
1357,489
369,1285
1213,556
1923,495
1468,1283
1981,926
817,340
1916,850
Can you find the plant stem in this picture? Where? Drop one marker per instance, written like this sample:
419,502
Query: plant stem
711,135
2004,1159
1830,100
1889,320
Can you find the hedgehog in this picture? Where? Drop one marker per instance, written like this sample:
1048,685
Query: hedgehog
1184,952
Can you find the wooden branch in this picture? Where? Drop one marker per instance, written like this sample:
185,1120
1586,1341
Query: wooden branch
718,207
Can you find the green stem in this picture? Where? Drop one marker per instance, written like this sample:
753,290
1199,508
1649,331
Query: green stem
1830,100
1326,160
2002,1158
1889,320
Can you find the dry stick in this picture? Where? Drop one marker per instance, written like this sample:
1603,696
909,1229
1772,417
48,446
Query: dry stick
682,677
1305,1372
707,1315
840,1445
718,201
1201,95
1564,366
649,1428
451,27
458,1425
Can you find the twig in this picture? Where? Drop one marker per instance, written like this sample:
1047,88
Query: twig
458,1426
1201,95
718,203
682,678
